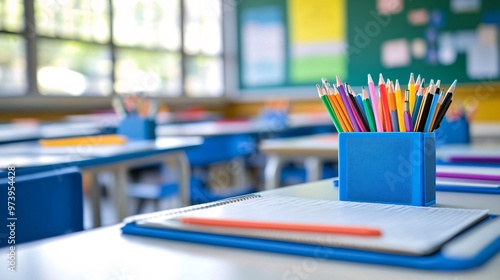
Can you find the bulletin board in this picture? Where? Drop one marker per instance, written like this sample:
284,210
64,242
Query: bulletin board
293,43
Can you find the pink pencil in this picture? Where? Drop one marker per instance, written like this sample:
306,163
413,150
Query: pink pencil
374,100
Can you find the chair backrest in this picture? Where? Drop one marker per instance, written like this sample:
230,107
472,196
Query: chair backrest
44,204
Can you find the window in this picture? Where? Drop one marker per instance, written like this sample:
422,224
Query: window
99,48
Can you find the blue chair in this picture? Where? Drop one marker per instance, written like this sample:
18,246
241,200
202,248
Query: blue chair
216,149
46,204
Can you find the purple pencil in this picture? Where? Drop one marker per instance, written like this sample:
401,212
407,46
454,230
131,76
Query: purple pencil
347,105
407,116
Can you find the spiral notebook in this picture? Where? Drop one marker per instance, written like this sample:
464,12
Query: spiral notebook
411,236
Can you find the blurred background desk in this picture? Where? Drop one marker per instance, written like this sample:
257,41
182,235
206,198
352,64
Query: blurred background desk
31,157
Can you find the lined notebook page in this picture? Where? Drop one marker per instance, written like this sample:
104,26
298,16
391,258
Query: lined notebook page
405,229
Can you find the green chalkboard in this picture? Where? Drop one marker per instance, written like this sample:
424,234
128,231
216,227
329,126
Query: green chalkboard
457,28
444,40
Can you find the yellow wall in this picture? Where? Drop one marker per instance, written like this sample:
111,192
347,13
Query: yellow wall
486,97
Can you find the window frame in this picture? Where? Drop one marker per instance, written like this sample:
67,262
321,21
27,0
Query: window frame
33,100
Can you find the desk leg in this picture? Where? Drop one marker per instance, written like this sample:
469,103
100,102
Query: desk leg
314,168
95,193
272,172
184,178
120,192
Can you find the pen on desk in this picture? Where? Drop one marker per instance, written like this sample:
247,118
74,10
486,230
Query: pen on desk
314,228
407,117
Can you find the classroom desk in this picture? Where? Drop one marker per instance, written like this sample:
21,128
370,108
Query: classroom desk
262,128
115,158
313,149
473,153
10,133
107,254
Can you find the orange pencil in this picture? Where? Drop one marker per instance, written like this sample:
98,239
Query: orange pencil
342,107
317,228
337,109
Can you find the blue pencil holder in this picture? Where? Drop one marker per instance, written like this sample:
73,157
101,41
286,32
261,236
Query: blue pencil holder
388,167
453,131
136,128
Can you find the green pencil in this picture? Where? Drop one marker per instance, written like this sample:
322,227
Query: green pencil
329,108
369,111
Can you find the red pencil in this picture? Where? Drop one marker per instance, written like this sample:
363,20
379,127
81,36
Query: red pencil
339,229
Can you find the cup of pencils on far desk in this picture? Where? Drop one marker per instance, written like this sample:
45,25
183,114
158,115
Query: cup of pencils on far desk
138,116
387,144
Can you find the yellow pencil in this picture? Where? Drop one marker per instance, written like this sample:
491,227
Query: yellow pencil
413,94
399,105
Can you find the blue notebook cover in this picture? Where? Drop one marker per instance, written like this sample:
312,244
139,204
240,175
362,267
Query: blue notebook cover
436,261
455,254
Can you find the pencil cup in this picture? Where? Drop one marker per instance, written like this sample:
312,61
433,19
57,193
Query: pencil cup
453,131
136,128
388,167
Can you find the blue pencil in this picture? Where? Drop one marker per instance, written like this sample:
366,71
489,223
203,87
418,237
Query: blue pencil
432,110
359,100
394,119
418,102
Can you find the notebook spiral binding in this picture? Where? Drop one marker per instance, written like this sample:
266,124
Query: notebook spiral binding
138,218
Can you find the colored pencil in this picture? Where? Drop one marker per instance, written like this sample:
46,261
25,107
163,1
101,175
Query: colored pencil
369,111
432,109
411,87
385,103
347,105
336,106
375,104
336,94
400,106
418,102
444,109
407,116
329,108
362,122
392,106
315,228
426,105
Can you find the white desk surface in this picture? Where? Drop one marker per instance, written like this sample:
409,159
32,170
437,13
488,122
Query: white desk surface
23,132
30,154
107,254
